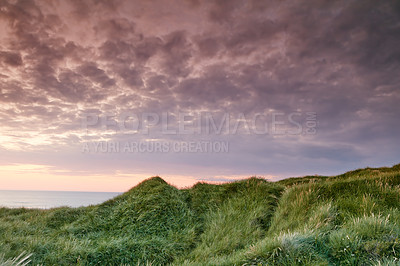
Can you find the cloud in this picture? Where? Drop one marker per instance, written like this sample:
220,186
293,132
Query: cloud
339,59
97,75
11,59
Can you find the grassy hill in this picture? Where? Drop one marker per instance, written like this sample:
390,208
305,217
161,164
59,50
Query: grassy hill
350,219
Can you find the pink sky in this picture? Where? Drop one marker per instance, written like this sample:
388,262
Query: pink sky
40,177
321,78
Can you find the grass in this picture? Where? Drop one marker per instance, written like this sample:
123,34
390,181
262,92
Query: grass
349,219
21,260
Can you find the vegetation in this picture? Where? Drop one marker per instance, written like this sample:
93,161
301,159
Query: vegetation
350,219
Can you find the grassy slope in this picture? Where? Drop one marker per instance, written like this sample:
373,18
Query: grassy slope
349,219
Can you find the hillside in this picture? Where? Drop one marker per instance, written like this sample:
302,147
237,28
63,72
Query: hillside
349,219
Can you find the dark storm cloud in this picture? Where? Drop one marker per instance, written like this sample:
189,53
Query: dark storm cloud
146,48
96,74
119,28
339,59
74,87
215,87
12,59
222,11
208,47
131,76
117,52
176,53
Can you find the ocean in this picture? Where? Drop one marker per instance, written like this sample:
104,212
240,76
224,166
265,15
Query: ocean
52,199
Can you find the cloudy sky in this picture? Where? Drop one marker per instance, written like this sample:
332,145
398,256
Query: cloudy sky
321,76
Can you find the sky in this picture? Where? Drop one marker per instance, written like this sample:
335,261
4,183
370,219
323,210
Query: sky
99,95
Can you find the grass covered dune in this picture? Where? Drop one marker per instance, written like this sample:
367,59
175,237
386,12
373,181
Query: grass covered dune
350,219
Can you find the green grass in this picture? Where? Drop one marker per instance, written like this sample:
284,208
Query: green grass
349,219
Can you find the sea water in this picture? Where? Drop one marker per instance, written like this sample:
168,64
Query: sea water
52,199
